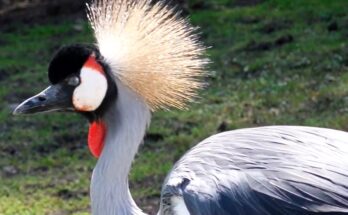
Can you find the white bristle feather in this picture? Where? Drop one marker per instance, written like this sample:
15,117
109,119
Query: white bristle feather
151,49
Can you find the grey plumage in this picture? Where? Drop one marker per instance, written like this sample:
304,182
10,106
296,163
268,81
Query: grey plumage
266,170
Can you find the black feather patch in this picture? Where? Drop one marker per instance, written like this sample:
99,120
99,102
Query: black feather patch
69,60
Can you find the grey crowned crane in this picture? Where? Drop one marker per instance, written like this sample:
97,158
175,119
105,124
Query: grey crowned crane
146,58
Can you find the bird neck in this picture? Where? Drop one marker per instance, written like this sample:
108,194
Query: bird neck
126,123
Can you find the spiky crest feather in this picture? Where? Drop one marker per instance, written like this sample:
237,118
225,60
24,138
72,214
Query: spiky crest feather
150,48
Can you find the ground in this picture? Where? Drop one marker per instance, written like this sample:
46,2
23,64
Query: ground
274,62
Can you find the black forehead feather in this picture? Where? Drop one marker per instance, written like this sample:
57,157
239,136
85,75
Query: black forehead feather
69,60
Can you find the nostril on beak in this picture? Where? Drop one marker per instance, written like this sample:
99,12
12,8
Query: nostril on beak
41,98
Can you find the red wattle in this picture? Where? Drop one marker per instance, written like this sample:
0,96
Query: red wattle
96,137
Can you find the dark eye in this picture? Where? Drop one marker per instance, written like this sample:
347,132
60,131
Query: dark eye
73,81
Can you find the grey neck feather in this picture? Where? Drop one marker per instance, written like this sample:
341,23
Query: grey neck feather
126,123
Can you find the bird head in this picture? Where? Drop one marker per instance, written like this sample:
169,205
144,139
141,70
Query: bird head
143,45
80,81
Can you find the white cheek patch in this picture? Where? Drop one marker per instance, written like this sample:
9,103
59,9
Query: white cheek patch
89,95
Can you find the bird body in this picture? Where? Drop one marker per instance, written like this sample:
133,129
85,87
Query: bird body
265,170
146,58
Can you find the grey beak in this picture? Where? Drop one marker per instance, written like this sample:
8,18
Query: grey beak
55,98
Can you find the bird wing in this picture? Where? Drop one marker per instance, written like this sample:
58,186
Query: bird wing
261,197
268,170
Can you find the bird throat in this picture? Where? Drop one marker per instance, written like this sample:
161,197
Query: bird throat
96,137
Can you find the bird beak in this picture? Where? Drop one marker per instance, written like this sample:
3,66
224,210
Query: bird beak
55,98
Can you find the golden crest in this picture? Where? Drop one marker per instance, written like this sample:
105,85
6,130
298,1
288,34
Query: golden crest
151,49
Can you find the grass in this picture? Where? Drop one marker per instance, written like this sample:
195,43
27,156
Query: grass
275,62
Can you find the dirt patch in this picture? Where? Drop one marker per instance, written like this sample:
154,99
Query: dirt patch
259,46
153,137
333,26
284,40
67,194
324,103
244,3
28,11
72,141
150,204
274,26
9,171
249,20
268,45
10,150
4,74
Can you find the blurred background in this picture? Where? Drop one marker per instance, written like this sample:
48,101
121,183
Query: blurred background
274,62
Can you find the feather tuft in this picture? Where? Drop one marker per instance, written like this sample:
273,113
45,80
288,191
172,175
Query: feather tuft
151,49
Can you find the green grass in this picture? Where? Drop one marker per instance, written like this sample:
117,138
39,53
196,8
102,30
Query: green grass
45,165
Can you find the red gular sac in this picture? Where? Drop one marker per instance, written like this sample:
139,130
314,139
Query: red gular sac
96,137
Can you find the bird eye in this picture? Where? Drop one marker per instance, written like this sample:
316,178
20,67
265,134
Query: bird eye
73,81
